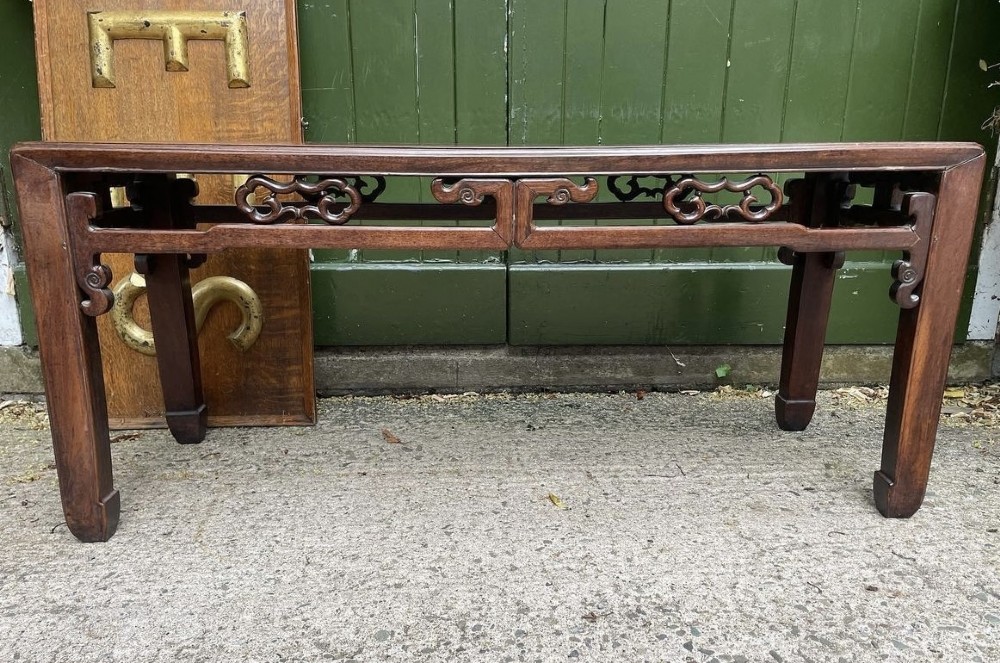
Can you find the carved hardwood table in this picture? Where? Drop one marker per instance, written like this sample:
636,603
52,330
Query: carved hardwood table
923,201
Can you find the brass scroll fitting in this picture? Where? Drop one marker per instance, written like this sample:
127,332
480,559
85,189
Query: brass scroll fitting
174,29
206,294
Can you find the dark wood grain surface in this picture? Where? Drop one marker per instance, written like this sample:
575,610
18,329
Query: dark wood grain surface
924,205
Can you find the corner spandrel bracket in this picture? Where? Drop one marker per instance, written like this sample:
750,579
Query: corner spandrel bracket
908,272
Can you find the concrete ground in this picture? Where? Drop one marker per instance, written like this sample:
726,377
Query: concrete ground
509,528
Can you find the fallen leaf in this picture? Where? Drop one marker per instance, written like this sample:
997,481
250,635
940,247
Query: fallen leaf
125,437
557,501
390,437
640,394
723,370
954,392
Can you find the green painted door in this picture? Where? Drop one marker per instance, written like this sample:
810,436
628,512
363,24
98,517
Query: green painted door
588,72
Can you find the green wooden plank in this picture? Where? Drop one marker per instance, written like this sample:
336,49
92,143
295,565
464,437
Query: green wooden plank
935,27
759,54
758,73
329,117
435,90
584,29
635,33
326,71
383,36
696,70
820,71
19,101
480,38
818,74
18,93
384,60
583,62
682,304
327,82
694,83
536,63
401,304
537,59
969,100
881,68
880,71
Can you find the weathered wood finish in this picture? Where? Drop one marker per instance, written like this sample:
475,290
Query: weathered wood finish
150,103
925,204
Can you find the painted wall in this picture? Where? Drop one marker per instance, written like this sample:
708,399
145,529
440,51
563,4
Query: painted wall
10,324
985,316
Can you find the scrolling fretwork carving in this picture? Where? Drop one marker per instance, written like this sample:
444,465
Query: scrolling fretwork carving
634,189
324,194
369,195
909,271
473,191
93,277
691,190
558,190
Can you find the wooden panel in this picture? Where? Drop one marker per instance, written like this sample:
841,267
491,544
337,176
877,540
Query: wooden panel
435,92
631,88
753,102
694,83
385,92
581,113
537,67
819,71
482,83
638,304
425,303
876,105
908,46
935,27
272,382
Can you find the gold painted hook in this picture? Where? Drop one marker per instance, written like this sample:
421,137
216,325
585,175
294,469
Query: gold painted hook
206,294
174,29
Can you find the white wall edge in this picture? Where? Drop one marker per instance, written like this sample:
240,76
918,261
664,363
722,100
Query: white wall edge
10,323
986,302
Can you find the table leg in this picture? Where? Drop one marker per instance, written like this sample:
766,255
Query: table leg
71,355
814,203
809,298
171,312
923,347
